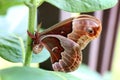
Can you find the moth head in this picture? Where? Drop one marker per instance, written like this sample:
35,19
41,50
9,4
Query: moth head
36,44
37,48
87,25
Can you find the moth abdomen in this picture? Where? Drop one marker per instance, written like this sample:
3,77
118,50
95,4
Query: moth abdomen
68,63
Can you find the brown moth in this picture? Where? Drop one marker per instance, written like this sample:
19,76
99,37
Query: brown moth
66,40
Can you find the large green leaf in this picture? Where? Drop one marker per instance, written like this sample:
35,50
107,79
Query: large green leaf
82,5
108,76
85,73
5,4
27,73
67,5
11,50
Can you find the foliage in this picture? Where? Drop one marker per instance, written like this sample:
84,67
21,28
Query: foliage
82,5
5,4
20,73
84,71
28,73
13,53
67,5
13,46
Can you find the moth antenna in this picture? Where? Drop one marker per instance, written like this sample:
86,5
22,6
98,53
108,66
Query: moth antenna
39,26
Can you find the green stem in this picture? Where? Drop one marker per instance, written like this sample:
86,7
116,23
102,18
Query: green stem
31,25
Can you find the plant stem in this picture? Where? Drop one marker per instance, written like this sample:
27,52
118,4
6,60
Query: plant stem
31,25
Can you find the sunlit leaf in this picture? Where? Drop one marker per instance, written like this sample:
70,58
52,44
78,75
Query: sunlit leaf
27,73
108,76
83,5
5,4
11,50
84,71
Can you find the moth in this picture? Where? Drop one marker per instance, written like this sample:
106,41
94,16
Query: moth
66,40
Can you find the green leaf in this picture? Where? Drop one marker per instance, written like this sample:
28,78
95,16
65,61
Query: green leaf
108,76
11,50
5,4
83,5
27,73
84,71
